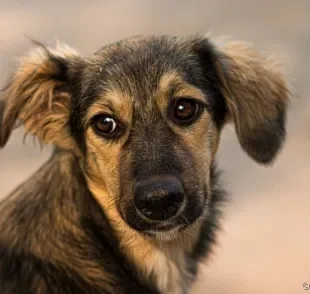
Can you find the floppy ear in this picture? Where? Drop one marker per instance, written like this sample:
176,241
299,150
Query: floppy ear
39,96
256,95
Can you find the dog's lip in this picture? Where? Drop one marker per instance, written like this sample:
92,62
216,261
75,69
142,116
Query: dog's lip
139,223
167,229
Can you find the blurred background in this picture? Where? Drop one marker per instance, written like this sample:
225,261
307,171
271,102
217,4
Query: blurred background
265,241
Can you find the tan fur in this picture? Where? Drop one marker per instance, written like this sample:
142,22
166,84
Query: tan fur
162,261
183,89
34,98
254,92
253,86
159,258
194,140
203,138
141,250
103,160
45,244
113,99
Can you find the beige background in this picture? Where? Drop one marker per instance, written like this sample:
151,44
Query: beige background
264,245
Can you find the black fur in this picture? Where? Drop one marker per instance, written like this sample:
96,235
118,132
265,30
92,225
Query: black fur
265,141
125,66
55,237
22,272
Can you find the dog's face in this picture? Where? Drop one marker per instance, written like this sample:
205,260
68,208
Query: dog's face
144,116
150,133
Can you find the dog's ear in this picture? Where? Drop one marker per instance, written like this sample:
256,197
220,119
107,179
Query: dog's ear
256,94
39,96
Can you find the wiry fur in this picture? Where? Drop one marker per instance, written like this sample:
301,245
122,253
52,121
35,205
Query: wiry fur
60,242
37,96
72,227
245,80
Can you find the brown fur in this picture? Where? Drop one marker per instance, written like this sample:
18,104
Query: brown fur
153,255
138,93
38,100
50,227
256,92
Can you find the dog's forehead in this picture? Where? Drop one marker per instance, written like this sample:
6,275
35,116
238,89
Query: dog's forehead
145,52
137,65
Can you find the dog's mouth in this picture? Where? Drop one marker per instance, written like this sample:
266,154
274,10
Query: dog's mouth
163,206
166,233
165,229
161,230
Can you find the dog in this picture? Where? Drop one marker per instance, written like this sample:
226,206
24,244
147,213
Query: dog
130,200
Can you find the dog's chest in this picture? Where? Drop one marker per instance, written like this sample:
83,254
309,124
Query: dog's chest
170,271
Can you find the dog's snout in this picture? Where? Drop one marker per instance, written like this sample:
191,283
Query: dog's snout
159,199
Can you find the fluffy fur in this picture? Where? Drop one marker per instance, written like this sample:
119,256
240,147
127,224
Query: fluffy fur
72,227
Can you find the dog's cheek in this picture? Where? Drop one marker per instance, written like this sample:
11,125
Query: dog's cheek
126,180
201,146
102,163
199,149
109,171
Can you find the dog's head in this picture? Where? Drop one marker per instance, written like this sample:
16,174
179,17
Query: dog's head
144,116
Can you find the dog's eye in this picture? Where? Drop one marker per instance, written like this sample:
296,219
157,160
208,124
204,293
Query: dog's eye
185,111
106,125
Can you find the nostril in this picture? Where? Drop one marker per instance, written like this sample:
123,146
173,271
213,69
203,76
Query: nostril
174,197
159,200
144,205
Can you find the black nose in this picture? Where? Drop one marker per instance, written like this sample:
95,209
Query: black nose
159,198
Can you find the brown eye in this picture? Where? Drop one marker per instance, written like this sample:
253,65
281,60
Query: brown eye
106,125
185,111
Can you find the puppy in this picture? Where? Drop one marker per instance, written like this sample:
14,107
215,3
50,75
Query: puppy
129,200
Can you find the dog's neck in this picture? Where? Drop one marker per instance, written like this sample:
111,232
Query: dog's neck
166,262
64,204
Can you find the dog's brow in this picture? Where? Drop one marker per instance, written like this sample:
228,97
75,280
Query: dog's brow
113,101
173,85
